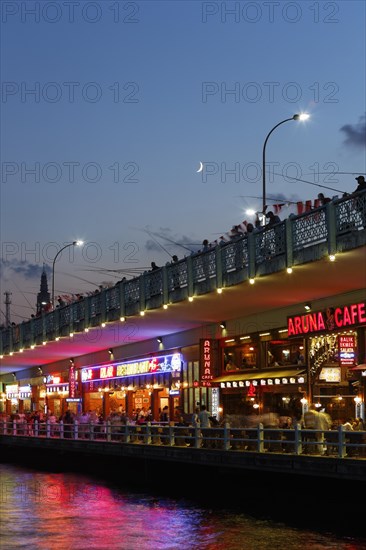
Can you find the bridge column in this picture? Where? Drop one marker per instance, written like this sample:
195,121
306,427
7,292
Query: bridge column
330,214
106,404
34,398
218,257
251,255
289,242
85,400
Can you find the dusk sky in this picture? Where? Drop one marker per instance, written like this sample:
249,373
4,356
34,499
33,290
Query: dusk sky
109,107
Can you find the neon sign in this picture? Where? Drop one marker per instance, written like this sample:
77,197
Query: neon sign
347,347
161,364
208,360
72,381
331,319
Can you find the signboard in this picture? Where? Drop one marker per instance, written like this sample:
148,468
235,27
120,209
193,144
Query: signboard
72,381
347,349
25,392
161,364
73,399
12,391
215,402
329,320
251,384
330,374
57,388
208,360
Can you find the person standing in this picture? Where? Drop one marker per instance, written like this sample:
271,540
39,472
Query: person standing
322,200
195,418
310,421
205,423
361,205
361,184
272,218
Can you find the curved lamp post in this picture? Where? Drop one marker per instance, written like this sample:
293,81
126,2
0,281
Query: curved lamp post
302,116
74,243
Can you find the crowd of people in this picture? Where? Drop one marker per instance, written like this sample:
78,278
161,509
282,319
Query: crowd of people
278,427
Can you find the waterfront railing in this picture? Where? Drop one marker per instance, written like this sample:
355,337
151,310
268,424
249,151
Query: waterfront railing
339,225
338,443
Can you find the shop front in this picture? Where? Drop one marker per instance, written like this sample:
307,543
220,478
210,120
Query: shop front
262,372
335,341
11,399
25,398
57,392
139,386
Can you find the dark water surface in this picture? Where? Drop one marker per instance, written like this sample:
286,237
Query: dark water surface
61,511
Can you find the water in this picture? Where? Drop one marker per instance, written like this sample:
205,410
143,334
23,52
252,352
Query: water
61,511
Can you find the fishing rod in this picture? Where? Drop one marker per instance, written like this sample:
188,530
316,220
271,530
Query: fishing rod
157,242
310,182
268,199
173,242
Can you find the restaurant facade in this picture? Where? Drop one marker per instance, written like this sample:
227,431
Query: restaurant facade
278,361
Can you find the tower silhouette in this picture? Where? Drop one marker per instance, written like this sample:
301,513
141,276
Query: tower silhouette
43,297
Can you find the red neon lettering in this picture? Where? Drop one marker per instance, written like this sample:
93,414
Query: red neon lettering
337,317
297,325
354,313
312,324
290,327
346,317
361,313
305,323
321,324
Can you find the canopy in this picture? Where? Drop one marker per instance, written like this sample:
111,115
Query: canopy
359,367
258,375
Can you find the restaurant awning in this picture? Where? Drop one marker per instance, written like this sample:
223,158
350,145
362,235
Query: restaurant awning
261,377
359,367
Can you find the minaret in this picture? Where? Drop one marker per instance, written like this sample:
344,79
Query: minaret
43,297
7,308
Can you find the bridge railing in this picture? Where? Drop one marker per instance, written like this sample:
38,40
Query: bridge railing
332,227
339,443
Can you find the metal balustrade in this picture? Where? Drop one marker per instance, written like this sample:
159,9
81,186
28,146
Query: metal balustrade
336,225
338,443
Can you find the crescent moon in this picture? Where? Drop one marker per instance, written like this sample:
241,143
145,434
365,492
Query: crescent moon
200,168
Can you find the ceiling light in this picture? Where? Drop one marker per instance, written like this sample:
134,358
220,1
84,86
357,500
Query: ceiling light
223,324
159,339
307,307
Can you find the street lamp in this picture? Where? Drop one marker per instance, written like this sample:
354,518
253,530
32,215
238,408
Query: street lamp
302,116
74,243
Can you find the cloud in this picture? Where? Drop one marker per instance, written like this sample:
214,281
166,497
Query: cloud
165,238
21,267
355,134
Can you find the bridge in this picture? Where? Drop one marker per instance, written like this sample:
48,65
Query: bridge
218,281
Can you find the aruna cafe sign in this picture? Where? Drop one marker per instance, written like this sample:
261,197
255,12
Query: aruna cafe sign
333,318
208,360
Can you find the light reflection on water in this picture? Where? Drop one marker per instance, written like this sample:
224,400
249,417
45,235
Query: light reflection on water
64,511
